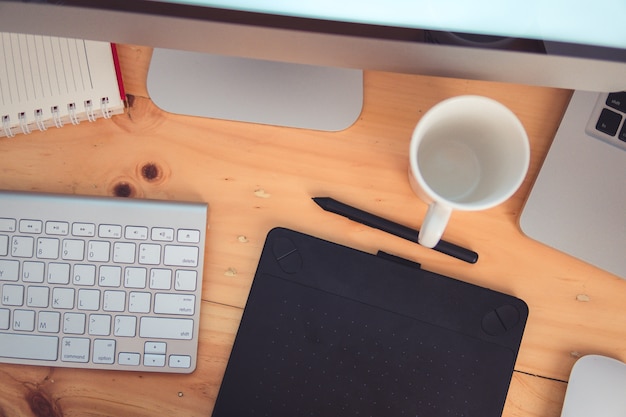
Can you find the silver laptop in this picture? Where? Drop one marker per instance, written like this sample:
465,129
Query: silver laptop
578,203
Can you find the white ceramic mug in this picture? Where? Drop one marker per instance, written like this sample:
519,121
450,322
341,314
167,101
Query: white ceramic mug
466,153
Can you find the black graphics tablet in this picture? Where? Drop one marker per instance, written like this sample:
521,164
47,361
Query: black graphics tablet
332,331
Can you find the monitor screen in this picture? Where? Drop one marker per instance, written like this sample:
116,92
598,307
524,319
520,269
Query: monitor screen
435,37
599,23
539,42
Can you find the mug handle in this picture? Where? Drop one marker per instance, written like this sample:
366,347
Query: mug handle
434,224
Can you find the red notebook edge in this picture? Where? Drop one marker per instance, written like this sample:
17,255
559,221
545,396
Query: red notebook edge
118,72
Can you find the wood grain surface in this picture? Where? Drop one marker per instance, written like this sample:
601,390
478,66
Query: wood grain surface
257,177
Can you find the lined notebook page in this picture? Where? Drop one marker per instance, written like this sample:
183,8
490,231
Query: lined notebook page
50,81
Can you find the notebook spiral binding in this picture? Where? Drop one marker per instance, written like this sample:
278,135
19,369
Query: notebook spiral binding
56,118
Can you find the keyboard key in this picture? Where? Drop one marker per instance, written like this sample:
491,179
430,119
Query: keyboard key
49,322
124,253
139,302
104,351
7,225
38,297
160,279
33,272
5,315
47,248
149,254
135,277
73,249
179,304
154,360
110,276
136,233
157,348
125,326
63,298
31,226
114,301
22,247
74,323
188,236
166,328
22,346
617,101
84,229
608,122
12,295
161,234
180,361
181,256
24,320
58,273
186,280
99,325
9,270
57,228
84,275
129,359
88,300
4,245
98,251
74,349
110,231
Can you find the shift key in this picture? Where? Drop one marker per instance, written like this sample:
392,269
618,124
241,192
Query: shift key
617,101
166,328
181,256
26,346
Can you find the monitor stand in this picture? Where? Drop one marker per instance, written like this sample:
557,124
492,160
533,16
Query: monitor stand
266,92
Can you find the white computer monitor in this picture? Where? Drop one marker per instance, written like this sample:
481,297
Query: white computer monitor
572,45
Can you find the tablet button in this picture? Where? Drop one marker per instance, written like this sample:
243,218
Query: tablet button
292,263
498,321
287,255
509,316
282,247
492,324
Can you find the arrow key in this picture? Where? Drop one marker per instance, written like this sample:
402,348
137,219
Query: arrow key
180,361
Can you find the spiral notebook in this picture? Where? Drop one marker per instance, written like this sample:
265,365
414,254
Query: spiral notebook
48,81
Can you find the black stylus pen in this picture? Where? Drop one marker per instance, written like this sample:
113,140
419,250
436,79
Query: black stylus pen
368,219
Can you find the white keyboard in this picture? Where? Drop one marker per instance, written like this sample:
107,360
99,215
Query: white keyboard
96,282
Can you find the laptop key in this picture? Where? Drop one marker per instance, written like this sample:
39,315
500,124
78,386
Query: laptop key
617,101
609,122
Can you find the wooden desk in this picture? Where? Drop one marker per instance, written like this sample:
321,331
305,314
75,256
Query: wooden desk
257,177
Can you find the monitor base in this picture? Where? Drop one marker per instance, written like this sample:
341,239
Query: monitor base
242,89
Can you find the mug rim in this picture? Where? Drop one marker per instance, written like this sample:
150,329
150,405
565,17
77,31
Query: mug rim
469,206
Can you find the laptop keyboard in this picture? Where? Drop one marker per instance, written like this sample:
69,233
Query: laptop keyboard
608,119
